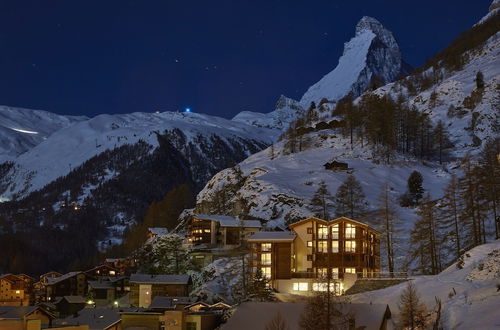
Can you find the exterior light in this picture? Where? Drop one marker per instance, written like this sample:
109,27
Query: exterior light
188,110
90,302
115,303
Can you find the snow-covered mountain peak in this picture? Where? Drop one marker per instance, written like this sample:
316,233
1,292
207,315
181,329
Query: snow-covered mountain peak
494,5
372,52
373,25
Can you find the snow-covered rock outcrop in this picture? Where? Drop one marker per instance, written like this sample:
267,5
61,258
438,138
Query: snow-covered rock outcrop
287,110
373,52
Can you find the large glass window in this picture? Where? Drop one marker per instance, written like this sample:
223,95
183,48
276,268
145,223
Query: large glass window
266,272
350,231
322,232
300,286
335,246
265,247
323,287
350,270
335,231
323,246
350,246
335,273
322,272
265,258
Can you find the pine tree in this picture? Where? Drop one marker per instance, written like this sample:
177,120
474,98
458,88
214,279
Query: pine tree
350,199
389,225
411,310
320,202
415,188
260,288
479,80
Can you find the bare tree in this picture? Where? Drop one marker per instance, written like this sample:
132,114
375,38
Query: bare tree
277,323
411,310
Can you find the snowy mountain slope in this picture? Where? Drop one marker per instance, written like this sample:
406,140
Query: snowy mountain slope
475,304
71,146
373,51
22,129
287,110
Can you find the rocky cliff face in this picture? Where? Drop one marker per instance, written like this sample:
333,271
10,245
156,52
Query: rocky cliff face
372,52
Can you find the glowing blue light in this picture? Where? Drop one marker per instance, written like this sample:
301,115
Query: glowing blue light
188,109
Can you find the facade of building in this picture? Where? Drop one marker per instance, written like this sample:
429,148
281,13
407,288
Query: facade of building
70,284
145,287
220,231
16,290
315,251
24,318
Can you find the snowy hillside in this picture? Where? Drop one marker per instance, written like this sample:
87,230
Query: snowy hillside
69,147
287,110
23,129
373,51
469,291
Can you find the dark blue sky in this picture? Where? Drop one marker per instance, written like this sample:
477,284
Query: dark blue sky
218,57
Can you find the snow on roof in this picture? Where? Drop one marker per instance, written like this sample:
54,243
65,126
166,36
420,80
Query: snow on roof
160,279
283,236
54,280
229,221
16,312
368,316
95,318
158,231
75,299
170,302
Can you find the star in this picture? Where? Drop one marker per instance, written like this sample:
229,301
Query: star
176,60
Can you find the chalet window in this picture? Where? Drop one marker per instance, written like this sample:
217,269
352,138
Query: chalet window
206,230
309,257
323,287
350,231
335,273
322,272
323,246
309,244
266,272
350,246
265,247
301,286
350,271
335,246
322,232
309,230
265,258
335,231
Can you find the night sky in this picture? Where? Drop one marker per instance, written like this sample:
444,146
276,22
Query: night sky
217,57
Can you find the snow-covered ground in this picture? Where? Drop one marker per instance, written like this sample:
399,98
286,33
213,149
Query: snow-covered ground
470,295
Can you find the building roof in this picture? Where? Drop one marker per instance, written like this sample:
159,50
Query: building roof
16,312
272,236
160,302
158,231
228,221
54,280
160,279
50,273
95,318
75,299
101,284
330,222
367,316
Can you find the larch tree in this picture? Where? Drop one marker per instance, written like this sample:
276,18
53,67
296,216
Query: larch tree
320,202
277,323
326,311
448,221
389,225
411,310
350,199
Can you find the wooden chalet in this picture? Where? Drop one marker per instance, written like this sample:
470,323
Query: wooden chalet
336,166
145,287
315,250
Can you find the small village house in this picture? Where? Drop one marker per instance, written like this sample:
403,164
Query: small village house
144,287
70,284
157,231
94,318
24,318
16,290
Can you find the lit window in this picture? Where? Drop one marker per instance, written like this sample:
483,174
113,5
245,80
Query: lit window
335,246
322,272
309,230
300,286
323,246
112,272
207,230
265,247
350,246
335,231
309,244
18,291
350,231
335,273
265,258
323,286
266,272
322,232
350,270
